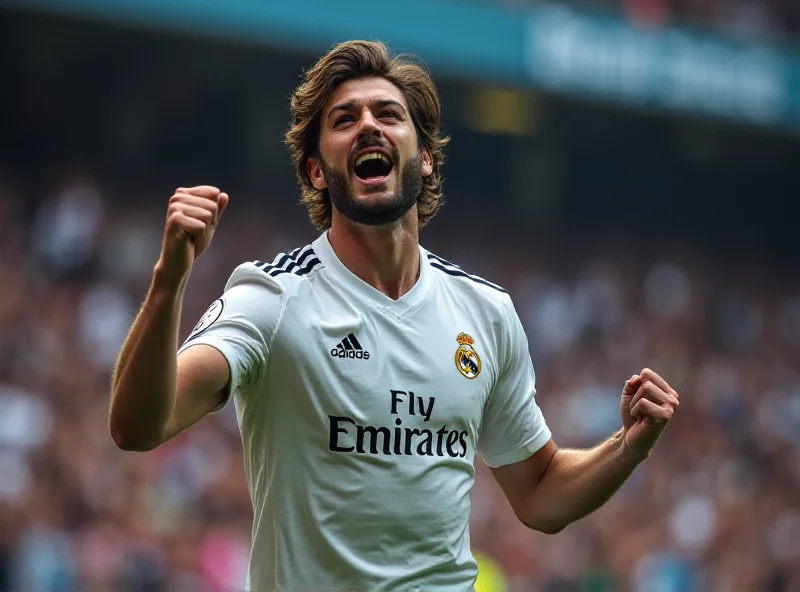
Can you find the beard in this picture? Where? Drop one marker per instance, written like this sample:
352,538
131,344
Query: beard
377,212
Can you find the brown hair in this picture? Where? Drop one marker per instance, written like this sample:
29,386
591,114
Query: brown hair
360,59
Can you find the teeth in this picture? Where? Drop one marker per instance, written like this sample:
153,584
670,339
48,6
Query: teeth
372,156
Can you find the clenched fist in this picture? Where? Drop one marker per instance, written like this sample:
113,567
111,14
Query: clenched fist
646,407
192,216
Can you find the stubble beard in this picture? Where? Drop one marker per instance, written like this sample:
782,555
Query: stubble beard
377,212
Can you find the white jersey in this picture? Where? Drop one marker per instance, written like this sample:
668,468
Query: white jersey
361,416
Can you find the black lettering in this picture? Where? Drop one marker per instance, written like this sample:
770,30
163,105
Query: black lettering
424,447
333,352
396,399
398,436
409,435
366,355
463,439
411,403
452,438
333,445
440,432
373,443
426,413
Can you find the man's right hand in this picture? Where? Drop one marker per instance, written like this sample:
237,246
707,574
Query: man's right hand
153,397
191,220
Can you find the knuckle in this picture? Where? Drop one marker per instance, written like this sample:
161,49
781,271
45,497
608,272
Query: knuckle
177,199
208,191
174,215
174,223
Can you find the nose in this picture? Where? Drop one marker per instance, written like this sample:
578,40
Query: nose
369,126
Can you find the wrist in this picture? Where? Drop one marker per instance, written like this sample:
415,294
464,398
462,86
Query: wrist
630,455
167,280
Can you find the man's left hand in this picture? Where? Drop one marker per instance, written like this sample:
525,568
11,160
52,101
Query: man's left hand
646,407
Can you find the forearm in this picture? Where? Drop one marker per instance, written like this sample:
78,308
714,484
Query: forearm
578,482
144,381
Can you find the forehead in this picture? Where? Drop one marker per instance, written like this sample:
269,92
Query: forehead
364,91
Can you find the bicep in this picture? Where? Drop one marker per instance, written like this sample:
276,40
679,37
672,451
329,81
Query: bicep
228,348
203,379
519,480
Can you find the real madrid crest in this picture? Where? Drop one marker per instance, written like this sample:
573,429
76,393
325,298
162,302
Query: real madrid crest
468,361
209,318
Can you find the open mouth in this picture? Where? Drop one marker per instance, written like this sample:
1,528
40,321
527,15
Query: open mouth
372,166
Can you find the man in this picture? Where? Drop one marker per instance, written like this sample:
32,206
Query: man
366,372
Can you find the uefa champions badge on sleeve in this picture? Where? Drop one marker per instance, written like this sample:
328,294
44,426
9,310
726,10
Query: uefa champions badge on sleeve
209,317
468,361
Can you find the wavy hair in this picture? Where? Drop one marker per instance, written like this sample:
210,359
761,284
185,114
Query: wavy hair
361,59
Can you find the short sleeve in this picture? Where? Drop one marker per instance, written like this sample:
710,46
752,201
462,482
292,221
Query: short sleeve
513,426
241,324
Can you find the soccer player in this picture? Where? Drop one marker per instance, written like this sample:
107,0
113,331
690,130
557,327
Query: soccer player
366,371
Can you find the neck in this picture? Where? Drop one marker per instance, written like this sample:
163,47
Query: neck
385,257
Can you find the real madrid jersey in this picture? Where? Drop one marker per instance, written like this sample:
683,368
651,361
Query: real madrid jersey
361,417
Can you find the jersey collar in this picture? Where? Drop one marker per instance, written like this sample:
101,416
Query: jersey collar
324,251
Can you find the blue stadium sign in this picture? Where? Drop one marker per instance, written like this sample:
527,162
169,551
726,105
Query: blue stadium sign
586,54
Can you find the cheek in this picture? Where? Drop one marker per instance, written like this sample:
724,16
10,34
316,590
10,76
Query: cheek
339,154
331,148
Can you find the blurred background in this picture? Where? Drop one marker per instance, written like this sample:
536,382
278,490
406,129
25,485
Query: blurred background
628,169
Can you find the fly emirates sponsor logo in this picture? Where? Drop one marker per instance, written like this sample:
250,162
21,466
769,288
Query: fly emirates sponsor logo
346,435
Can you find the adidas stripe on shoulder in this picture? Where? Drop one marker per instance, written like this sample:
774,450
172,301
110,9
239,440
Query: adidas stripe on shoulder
302,261
454,270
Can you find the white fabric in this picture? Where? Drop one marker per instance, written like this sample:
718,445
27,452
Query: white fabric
360,468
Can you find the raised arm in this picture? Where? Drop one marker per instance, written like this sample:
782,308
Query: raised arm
154,394
553,488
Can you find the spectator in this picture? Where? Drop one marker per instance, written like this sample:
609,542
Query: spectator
716,507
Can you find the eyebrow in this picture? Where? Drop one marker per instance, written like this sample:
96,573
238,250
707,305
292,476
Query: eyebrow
377,104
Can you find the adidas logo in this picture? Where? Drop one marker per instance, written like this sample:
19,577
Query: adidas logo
349,347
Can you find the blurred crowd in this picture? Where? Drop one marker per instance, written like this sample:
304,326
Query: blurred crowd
746,19
715,509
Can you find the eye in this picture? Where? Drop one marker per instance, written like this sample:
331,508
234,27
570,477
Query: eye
343,119
389,114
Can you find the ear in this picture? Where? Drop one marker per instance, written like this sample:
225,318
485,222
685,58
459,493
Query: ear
427,163
314,171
